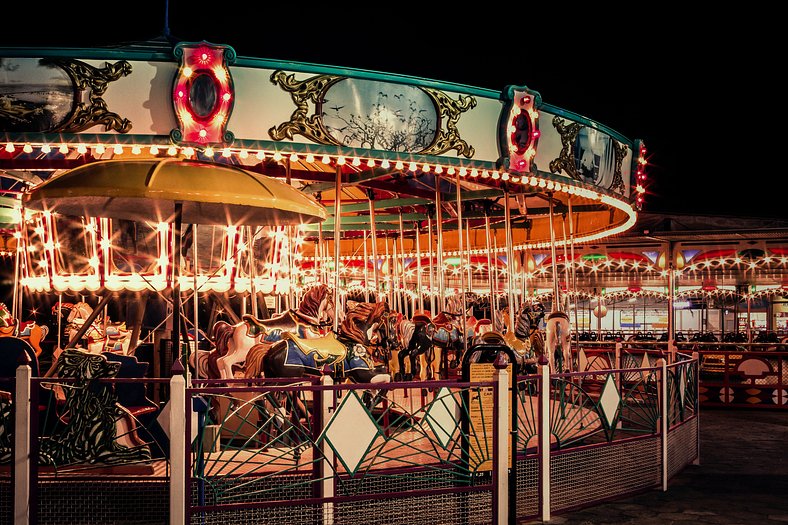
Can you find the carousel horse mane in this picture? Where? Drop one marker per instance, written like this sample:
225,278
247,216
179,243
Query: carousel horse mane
359,319
312,299
528,320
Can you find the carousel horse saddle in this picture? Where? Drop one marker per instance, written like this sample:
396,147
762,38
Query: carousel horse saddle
328,348
255,325
443,320
117,331
514,343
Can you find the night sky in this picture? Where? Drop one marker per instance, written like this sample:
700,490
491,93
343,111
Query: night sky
696,88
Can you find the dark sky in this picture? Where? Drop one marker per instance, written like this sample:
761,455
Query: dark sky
699,88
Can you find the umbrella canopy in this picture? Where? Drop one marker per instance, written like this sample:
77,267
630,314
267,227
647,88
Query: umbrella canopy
145,190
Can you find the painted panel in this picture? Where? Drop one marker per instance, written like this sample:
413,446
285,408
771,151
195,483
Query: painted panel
34,96
379,115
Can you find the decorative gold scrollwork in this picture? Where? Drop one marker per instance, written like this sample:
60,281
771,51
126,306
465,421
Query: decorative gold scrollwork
313,127
618,181
449,138
566,159
95,80
302,92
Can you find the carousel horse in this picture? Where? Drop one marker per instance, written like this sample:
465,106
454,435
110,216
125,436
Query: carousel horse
101,336
233,343
558,342
415,344
526,331
347,354
30,331
453,330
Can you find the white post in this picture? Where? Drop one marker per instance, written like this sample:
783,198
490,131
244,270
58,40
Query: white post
502,457
544,440
696,358
326,466
663,418
178,444
22,446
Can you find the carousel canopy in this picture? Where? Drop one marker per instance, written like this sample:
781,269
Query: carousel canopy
144,190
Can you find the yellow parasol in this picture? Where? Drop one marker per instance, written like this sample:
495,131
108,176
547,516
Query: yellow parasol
145,190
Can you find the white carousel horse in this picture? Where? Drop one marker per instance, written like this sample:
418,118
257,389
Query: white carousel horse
114,338
558,342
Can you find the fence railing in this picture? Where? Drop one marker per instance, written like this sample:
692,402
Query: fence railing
492,451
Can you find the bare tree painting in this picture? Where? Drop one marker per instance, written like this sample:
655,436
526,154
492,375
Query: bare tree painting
395,118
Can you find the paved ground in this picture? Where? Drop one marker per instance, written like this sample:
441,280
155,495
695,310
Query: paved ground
742,478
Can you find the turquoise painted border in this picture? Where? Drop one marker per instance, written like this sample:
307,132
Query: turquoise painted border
304,67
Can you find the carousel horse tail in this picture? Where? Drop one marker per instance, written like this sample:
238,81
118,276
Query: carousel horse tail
253,366
222,333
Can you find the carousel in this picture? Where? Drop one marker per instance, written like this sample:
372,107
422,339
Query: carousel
227,218
432,199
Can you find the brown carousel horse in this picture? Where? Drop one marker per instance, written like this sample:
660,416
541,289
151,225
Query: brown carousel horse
233,343
526,340
453,329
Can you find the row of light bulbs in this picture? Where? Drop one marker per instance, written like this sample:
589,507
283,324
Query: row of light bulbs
277,156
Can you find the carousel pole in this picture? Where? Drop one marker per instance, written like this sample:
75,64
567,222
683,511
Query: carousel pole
490,275
439,231
252,274
22,241
749,322
374,239
556,296
566,257
196,299
403,284
15,294
431,266
337,232
319,258
394,276
391,277
176,286
462,273
290,289
418,269
59,320
470,258
366,270
574,269
671,298
509,258
495,273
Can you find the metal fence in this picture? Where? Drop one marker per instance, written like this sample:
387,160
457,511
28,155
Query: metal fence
263,451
